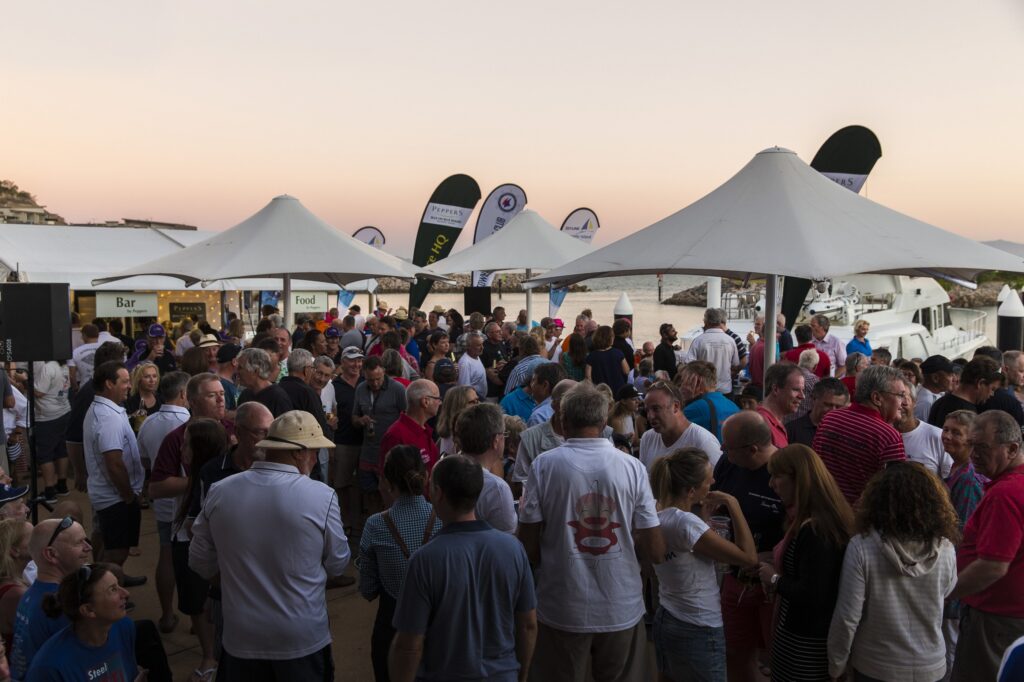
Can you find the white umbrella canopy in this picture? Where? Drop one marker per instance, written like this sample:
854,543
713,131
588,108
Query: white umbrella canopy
779,216
527,242
283,240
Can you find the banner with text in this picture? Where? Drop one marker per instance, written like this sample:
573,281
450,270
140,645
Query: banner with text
309,302
375,238
582,224
447,212
126,304
501,205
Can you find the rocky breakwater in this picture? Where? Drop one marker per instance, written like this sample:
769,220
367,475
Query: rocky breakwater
698,296
506,282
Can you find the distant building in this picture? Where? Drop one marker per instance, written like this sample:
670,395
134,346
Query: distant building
27,213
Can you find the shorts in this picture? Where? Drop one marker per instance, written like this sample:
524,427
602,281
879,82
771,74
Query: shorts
119,525
346,459
368,481
747,616
561,655
50,439
688,652
163,531
192,589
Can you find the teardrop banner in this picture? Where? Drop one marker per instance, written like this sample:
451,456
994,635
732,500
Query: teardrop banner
447,212
846,158
582,224
375,238
501,205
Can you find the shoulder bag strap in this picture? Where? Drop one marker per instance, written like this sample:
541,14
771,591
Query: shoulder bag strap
428,532
714,416
393,529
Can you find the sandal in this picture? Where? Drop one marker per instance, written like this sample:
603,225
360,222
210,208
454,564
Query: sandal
167,629
203,675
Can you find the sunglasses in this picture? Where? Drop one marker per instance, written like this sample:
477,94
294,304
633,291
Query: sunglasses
64,524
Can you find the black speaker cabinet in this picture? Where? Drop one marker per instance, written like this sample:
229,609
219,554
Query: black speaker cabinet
35,322
477,300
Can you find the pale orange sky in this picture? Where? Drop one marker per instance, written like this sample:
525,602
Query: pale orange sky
201,112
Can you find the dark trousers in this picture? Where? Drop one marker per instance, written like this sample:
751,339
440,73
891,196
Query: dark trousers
149,651
383,633
316,667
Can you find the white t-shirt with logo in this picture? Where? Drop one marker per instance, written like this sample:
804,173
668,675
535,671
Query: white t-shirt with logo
589,496
653,448
687,582
924,445
52,385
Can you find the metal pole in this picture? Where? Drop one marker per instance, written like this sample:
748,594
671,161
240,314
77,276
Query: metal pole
529,300
771,305
287,306
33,487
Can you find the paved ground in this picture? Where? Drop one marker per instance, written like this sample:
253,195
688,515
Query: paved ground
351,615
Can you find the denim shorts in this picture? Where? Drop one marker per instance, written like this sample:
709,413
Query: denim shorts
688,652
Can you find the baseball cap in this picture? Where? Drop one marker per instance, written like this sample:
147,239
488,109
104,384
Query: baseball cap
558,323
937,363
228,352
156,330
444,371
627,392
295,430
9,493
207,341
352,353
332,332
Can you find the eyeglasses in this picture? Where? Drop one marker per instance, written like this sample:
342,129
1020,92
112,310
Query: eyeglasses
64,524
901,396
434,397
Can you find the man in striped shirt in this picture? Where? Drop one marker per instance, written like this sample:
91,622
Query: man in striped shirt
857,442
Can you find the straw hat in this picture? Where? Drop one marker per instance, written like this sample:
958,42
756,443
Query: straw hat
439,309
295,430
208,341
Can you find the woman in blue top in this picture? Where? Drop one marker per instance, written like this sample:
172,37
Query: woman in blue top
606,365
99,645
389,539
859,343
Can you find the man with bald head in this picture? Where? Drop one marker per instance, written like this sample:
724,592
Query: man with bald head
743,473
59,547
423,401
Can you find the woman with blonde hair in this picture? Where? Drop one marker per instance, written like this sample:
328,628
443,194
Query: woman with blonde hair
902,555
143,400
457,399
689,633
14,557
859,343
807,563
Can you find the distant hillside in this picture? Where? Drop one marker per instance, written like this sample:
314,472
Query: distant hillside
20,206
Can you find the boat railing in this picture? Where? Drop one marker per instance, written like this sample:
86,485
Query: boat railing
741,305
969,323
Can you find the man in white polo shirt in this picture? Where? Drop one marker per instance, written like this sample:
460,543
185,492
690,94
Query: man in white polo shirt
113,462
274,536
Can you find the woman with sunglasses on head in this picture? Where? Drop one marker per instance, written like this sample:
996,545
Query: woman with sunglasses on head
14,557
903,555
807,563
99,644
689,634
455,401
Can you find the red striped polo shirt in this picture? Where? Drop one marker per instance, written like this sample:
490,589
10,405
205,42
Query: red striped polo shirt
855,444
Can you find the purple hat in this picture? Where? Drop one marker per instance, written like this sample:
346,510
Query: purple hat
332,333
156,330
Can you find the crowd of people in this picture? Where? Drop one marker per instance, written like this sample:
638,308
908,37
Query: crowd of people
521,501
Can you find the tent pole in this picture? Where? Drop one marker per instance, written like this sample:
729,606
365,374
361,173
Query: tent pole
771,312
529,301
371,304
287,306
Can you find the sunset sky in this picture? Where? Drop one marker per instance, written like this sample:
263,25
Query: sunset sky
201,112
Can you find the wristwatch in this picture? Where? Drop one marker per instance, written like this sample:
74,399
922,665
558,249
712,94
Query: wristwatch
775,579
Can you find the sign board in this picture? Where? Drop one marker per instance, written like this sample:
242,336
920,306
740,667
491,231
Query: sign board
125,304
309,302
179,311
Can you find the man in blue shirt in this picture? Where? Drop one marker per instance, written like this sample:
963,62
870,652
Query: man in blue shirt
59,547
471,584
703,403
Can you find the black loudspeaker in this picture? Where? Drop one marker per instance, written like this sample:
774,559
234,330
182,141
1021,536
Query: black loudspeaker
35,322
477,300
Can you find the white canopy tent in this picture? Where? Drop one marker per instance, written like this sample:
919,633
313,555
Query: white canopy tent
778,216
283,240
527,242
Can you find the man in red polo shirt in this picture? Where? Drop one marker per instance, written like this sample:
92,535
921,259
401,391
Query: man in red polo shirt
783,393
411,428
857,442
805,341
990,559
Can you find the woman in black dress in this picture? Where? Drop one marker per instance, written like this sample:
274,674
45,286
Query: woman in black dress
807,563
606,365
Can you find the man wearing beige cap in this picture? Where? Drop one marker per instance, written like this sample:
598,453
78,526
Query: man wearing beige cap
210,345
274,536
